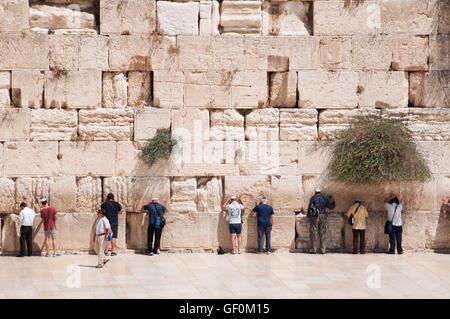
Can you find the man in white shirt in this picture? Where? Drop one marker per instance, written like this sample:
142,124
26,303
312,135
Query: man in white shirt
394,214
26,217
235,210
102,230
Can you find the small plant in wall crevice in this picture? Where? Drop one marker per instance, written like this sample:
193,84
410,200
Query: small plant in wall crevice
159,147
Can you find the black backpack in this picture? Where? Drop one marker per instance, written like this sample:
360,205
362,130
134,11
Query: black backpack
313,210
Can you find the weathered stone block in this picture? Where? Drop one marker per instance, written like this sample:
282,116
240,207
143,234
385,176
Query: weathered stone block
127,17
209,18
106,124
267,53
16,49
298,125
437,230
30,159
209,194
60,17
93,54
444,17
27,88
63,52
123,190
14,15
115,89
263,125
53,125
283,89
5,100
183,195
410,53
286,193
249,89
313,158
429,89
62,193
383,89
5,80
149,120
2,159
8,191
62,89
88,158
304,53
372,53
335,52
287,18
320,89
14,124
168,89
145,188
190,126
139,90
439,58
227,125
241,16
188,230
31,190
208,89
435,157
251,188
177,18
89,194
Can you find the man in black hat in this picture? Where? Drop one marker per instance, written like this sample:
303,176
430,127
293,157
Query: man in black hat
112,209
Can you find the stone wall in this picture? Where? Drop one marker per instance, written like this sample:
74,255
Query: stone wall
253,90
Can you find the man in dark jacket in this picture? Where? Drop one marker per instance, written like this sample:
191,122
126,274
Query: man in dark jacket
111,210
155,212
316,217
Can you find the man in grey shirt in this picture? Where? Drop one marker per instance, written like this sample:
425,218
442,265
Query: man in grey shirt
235,208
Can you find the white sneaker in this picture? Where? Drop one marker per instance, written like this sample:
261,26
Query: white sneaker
234,252
269,252
240,251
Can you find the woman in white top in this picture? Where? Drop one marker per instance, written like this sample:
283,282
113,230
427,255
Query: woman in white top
394,214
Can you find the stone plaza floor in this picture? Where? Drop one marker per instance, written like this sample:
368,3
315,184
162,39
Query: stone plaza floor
207,275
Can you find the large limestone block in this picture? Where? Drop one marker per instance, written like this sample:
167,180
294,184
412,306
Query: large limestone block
127,17
60,17
10,233
207,53
383,89
262,125
73,89
249,89
304,53
14,124
298,124
53,125
429,89
177,18
435,156
410,53
63,52
346,18
145,188
251,188
139,90
267,53
190,125
106,124
286,193
414,228
209,194
93,54
137,226
372,53
437,230
183,195
227,125
5,100
241,16
89,194
148,120
27,88
287,18
209,18
320,89
335,52
63,191
208,89
413,16
439,58
168,89
31,159
16,49
31,190
14,15
2,159
115,88
283,232
96,158
313,158
283,89
5,80
444,17
7,191
122,188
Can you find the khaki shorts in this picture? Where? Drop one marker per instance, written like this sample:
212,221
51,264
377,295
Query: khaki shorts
51,233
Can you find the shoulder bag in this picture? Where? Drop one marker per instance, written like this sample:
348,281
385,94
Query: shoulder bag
388,226
351,219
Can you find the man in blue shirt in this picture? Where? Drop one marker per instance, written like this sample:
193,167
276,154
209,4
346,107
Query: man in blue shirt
316,217
155,212
264,214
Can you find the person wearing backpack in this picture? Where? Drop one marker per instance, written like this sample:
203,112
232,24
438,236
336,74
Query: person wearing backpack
112,209
156,222
316,217
394,216
357,215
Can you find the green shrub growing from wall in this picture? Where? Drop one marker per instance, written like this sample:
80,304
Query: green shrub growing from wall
375,149
160,146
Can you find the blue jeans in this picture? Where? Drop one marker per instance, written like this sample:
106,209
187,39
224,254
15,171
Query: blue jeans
396,236
264,230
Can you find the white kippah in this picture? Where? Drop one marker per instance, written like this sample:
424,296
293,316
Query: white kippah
317,190
154,198
233,197
43,200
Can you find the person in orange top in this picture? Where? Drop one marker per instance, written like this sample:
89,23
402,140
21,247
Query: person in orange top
359,214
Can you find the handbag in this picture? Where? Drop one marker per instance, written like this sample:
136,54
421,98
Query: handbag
351,219
388,225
